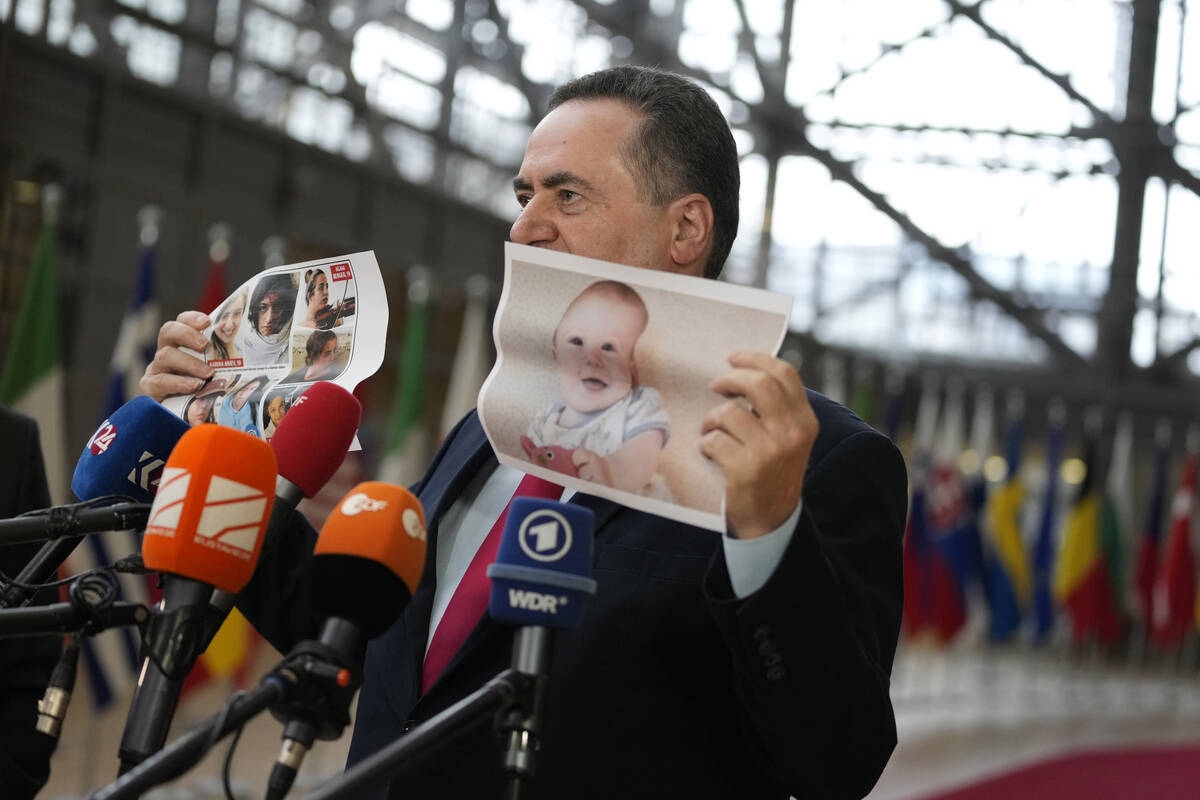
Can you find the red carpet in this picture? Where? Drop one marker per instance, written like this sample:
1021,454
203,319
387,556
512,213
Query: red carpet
1149,773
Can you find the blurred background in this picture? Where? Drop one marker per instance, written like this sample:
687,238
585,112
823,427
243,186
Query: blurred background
986,213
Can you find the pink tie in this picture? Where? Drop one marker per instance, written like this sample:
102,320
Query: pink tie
471,597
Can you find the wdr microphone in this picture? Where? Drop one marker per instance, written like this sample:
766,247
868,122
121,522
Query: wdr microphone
540,580
205,530
124,456
543,570
366,564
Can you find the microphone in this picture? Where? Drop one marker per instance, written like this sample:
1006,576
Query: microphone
205,531
366,564
125,456
540,580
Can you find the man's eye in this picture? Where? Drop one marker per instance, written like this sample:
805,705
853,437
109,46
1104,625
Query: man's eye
568,197
523,200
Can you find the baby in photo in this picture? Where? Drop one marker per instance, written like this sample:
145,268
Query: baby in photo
607,428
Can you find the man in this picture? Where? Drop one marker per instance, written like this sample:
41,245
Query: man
25,664
753,665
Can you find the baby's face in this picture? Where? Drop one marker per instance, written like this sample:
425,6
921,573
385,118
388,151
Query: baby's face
593,348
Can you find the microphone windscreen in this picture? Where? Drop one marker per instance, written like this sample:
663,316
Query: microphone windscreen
313,437
369,556
212,507
543,570
127,452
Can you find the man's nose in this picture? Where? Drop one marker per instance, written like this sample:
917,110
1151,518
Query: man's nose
533,226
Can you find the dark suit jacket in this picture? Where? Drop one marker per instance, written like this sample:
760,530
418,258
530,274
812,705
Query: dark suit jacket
25,663
670,686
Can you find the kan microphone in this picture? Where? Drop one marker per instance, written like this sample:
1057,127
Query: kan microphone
541,580
125,456
205,532
367,561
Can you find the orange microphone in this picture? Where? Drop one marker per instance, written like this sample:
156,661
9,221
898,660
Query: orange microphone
205,530
366,564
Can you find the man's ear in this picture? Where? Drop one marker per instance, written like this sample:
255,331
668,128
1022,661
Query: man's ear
691,233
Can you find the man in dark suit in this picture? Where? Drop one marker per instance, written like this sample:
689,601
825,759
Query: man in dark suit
26,663
753,665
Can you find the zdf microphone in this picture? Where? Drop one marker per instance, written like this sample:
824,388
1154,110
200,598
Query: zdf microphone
205,531
366,564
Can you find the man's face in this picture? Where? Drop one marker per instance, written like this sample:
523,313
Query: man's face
270,314
577,195
593,348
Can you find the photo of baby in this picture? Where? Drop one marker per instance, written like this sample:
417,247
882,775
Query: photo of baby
603,377
607,427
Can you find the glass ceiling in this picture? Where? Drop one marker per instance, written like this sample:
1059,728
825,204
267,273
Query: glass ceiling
981,123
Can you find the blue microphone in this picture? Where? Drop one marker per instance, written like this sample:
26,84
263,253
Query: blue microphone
543,570
540,580
127,452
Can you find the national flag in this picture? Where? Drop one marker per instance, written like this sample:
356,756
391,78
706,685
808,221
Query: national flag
472,358
1081,583
1043,548
1149,543
1008,582
932,595
862,391
214,291
111,658
1175,585
407,451
1116,516
32,379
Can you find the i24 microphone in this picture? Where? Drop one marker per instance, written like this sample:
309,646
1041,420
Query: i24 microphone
540,580
125,456
205,531
366,564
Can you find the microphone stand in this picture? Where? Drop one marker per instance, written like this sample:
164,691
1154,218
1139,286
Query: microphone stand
514,699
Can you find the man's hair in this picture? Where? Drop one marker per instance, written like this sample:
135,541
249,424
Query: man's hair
316,343
683,144
282,285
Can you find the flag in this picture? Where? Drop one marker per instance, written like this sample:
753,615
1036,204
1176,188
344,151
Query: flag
1146,564
1080,582
1175,585
472,358
407,440
111,658
214,291
950,522
1007,580
32,380
1115,516
932,596
862,392
1043,547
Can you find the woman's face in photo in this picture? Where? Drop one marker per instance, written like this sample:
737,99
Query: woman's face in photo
230,320
320,295
324,360
275,409
199,409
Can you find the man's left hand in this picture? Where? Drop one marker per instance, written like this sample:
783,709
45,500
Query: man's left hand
761,439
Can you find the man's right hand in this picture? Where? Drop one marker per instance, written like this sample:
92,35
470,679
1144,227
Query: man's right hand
173,371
